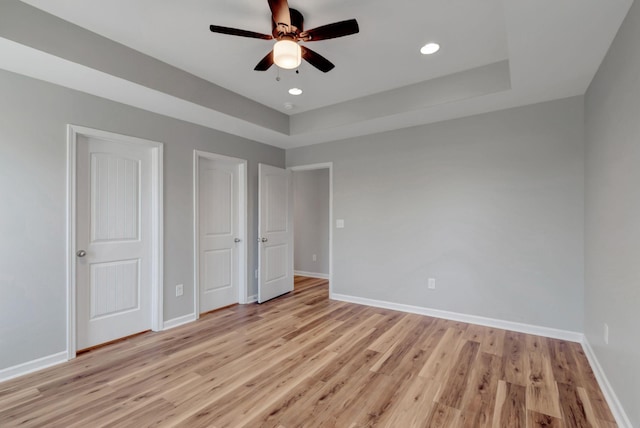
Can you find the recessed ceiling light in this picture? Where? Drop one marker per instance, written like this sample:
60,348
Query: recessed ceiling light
295,91
429,48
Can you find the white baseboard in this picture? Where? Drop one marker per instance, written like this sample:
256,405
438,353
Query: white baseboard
176,322
553,333
609,394
311,274
33,366
252,299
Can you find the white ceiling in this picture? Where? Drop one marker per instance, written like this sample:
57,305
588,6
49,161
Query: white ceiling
553,49
384,55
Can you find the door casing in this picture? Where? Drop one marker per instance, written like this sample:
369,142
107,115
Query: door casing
242,225
73,133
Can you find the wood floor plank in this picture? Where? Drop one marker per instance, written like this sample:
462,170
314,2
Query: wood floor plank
515,358
491,340
542,389
351,358
303,360
443,355
565,368
510,410
354,333
334,396
269,390
590,384
480,396
145,416
588,408
280,412
9,400
414,406
573,408
373,408
458,379
443,416
538,420
393,364
387,340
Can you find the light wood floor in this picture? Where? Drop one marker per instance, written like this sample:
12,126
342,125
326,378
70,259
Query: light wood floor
302,360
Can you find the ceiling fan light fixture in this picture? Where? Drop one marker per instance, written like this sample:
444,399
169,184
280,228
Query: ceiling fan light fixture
287,54
430,48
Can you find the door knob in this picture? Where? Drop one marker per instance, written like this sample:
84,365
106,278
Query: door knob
237,240
81,253
263,240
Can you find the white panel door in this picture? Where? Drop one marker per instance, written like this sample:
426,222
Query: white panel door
113,238
219,238
275,234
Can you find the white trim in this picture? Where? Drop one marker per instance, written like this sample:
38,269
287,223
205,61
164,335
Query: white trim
33,366
243,234
311,274
252,299
157,238
178,321
71,242
329,166
157,250
553,333
609,394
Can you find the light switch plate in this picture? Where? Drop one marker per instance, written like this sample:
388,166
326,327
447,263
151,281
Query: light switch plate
340,223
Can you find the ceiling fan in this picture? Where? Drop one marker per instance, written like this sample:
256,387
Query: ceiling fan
287,29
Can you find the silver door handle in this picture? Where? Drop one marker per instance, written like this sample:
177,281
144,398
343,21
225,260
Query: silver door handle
262,239
81,253
237,240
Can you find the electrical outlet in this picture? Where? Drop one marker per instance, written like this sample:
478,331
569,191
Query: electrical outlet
431,283
179,290
315,257
606,333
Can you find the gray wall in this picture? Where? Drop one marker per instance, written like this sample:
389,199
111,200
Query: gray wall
33,118
311,220
33,27
612,250
491,206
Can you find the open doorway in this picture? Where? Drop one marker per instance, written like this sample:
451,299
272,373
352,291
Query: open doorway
312,201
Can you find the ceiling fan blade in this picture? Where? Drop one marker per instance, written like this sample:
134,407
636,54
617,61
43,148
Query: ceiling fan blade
265,63
317,60
331,31
237,32
280,13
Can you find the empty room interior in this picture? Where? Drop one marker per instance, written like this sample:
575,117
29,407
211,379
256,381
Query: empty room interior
319,213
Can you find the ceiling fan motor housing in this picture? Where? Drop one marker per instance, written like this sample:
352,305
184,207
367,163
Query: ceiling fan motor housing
297,21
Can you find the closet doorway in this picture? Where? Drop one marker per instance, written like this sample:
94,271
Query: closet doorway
313,219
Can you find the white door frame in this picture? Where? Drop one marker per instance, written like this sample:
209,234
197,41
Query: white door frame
157,235
329,166
242,226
